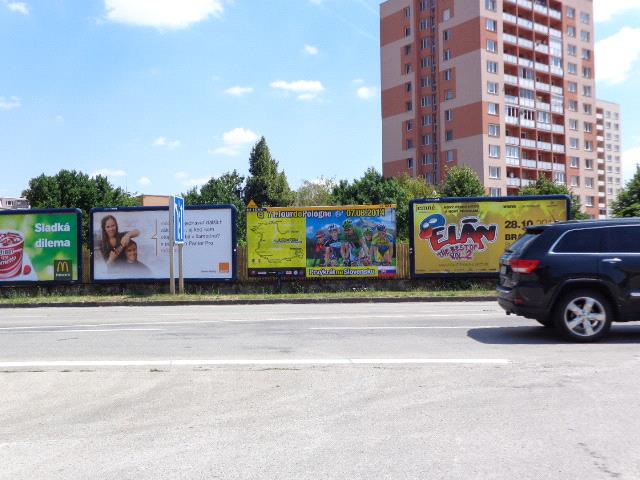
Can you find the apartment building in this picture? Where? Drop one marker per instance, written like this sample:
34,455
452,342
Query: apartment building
506,87
11,203
609,126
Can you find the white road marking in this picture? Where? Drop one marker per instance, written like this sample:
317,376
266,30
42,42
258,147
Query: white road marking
445,327
244,320
99,330
253,362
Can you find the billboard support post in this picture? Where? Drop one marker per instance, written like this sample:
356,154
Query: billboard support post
172,277
180,269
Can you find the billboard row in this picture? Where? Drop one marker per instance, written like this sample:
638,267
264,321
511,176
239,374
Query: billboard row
133,243
467,236
322,242
40,246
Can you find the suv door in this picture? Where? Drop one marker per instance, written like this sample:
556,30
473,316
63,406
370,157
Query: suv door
621,266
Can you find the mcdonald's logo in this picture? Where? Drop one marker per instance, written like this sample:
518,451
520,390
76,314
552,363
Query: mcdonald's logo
62,270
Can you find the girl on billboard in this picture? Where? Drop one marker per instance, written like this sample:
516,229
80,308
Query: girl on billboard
114,241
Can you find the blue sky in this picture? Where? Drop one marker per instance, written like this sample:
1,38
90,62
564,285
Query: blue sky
160,95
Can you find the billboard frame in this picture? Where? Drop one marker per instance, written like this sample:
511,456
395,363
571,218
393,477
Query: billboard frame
234,243
36,211
437,276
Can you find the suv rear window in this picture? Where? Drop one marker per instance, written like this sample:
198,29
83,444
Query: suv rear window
522,243
584,240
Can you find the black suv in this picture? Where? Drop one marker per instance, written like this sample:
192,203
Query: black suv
578,276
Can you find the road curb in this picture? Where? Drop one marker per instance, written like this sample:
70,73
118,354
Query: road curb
274,301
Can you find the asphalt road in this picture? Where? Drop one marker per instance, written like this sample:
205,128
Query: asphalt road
357,391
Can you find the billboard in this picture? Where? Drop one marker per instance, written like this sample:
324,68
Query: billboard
40,246
132,243
322,242
467,236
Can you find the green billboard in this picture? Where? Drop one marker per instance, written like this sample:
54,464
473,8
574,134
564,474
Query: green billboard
39,246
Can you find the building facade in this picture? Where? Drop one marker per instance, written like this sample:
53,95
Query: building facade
10,203
506,87
609,125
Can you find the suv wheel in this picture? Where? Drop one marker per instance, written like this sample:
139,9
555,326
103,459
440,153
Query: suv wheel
583,316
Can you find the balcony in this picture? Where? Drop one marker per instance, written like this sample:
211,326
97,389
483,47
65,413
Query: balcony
557,148
557,109
512,140
513,161
526,83
541,9
556,90
599,116
543,87
543,106
555,33
523,22
557,128
541,28
507,17
527,123
541,67
525,4
528,163
545,165
546,146
511,79
527,143
602,194
600,127
511,100
523,42
542,48
558,167
525,63
543,126
527,102
555,14
601,183
513,182
527,181
510,58
508,38
511,120
600,138
600,150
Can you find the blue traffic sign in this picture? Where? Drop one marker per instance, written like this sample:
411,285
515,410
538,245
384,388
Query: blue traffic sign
178,220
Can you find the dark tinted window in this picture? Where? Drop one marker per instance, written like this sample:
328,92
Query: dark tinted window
587,240
523,242
622,240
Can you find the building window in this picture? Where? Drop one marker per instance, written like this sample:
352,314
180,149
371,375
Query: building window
424,81
448,94
494,130
407,87
588,163
586,72
571,32
409,106
574,143
571,50
573,124
495,192
426,120
572,68
572,87
427,159
407,12
586,107
449,155
407,68
446,15
409,162
448,74
409,125
425,101
575,181
491,25
426,139
492,88
446,35
492,67
407,49
571,12
585,18
492,46
494,172
446,55
490,5
588,145
586,54
492,109
428,177
409,144
407,31
448,135
494,151
588,127
574,162
448,115
573,105
588,201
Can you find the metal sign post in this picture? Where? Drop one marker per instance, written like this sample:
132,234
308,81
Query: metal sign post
172,282
176,222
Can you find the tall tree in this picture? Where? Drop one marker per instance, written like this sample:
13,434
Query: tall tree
462,182
265,184
544,186
628,202
315,192
226,189
73,189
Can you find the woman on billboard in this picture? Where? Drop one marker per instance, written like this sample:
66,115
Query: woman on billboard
114,241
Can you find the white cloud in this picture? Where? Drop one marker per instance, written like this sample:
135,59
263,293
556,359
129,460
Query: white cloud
306,89
9,103
233,141
238,91
165,143
171,14
311,50
186,180
239,136
18,7
605,10
106,172
630,159
144,181
367,93
617,55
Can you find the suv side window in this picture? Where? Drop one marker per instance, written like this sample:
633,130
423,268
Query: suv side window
622,240
584,240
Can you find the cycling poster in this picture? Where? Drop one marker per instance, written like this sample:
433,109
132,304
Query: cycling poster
322,242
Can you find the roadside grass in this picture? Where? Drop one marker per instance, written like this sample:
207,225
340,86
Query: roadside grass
18,298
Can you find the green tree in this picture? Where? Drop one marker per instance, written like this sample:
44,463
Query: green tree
462,182
226,189
374,189
315,193
266,185
628,202
544,186
73,189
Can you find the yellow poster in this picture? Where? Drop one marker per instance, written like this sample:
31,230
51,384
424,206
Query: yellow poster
469,237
